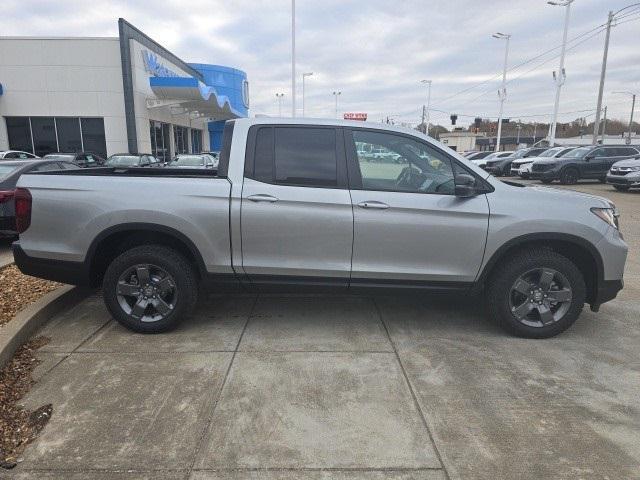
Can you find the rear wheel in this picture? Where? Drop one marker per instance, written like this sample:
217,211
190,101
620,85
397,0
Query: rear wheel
621,188
150,289
569,176
536,294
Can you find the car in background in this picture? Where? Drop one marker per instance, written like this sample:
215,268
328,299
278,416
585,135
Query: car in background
10,172
129,160
582,162
478,155
500,166
215,158
625,174
82,159
493,157
16,154
522,166
192,160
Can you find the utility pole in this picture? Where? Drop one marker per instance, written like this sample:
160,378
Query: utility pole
502,93
561,75
519,127
279,97
304,75
427,113
633,106
336,94
424,126
604,126
293,58
594,141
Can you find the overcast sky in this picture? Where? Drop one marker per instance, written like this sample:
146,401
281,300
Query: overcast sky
377,51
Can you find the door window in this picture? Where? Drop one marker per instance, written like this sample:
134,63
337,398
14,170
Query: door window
300,156
390,162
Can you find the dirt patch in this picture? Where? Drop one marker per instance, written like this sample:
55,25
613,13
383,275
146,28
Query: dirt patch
18,291
19,426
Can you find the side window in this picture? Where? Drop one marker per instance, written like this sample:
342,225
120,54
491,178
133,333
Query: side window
144,160
628,151
305,156
11,155
398,163
598,152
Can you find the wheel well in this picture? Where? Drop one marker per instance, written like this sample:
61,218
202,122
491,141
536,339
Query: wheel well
578,254
109,247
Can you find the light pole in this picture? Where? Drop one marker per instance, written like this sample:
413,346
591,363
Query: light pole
336,94
561,76
293,58
279,97
502,93
633,106
304,75
426,111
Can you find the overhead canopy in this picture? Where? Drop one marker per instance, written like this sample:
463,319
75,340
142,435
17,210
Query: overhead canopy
192,95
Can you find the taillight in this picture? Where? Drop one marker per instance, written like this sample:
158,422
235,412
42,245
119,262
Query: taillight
23,209
6,195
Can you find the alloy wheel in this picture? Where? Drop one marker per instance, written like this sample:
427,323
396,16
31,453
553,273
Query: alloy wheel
146,292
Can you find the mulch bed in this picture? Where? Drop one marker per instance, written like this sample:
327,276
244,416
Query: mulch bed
18,290
19,426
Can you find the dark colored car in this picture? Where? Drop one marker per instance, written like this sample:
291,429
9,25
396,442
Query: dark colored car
582,162
193,160
128,160
478,155
10,172
502,166
82,159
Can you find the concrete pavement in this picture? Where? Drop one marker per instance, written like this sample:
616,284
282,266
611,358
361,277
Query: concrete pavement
337,387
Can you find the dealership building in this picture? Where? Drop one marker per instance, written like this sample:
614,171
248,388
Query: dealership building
113,95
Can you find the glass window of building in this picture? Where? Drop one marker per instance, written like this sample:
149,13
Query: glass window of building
180,139
19,133
44,135
93,136
196,140
159,133
69,139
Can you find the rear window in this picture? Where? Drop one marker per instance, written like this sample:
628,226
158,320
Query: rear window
122,161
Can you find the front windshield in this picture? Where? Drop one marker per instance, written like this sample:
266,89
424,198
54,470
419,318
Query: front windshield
577,153
122,161
519,154
188,161
551,152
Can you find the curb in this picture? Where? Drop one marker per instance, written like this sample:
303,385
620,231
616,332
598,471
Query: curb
6,263
30,319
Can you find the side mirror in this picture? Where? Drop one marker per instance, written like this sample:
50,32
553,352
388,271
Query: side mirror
465,186
589,157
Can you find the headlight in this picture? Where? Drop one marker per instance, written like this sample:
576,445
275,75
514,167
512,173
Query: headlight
609,215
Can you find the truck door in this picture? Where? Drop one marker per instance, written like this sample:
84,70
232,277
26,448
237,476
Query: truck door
296,215
409,227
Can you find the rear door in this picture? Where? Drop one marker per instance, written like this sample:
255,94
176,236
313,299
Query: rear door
409,227
296,215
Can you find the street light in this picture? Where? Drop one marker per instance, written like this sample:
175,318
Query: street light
279,97
561,76
304,75
425,112
633,106
336,94
502,93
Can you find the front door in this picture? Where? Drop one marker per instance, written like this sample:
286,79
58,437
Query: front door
409,227
296,215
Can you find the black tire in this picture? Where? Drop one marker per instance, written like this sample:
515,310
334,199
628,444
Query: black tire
501,281
546,181
621,188
184,284
569,176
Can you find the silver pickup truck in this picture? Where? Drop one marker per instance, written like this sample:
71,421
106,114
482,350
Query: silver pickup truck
301,204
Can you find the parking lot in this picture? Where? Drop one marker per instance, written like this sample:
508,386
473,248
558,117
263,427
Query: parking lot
310,387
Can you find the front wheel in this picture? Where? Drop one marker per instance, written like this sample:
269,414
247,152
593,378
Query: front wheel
537,293
569,176
150,289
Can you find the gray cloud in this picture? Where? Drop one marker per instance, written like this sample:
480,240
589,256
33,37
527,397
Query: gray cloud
375,52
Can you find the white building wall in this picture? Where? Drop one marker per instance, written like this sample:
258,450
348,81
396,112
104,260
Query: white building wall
78,77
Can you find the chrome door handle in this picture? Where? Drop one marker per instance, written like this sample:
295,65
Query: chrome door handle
262,197
373,204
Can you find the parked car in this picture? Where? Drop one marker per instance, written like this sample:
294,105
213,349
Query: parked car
522,166
10,172
625,174
494,156
128,160
581,162
500,166
293,206
16,154
479,155
82,159
192,160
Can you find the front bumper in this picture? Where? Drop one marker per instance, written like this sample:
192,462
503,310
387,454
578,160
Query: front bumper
624,180
545,175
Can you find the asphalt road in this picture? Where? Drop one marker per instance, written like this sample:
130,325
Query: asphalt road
339,387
